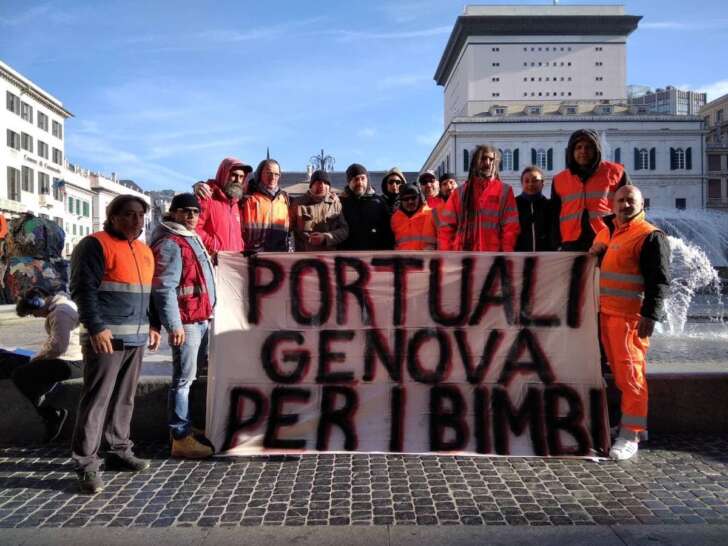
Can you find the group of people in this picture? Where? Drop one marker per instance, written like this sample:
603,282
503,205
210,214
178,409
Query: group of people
123,291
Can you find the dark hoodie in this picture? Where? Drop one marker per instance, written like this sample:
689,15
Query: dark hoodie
586,238
391,199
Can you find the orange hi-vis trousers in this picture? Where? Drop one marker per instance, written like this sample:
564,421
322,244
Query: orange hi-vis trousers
627,354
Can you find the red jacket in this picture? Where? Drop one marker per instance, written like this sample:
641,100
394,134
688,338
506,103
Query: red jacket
220,226
496,218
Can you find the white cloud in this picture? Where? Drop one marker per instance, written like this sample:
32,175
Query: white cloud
366,132
683,25
715,89
406,12
348,35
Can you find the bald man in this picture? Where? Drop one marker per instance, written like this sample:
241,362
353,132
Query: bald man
633,286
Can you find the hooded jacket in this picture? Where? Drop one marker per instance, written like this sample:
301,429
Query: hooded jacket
414,231
220,224
368,218
392,199
183,286
62,327
313,214
592,187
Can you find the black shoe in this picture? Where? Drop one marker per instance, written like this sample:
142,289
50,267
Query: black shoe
127,463
54,424
90,482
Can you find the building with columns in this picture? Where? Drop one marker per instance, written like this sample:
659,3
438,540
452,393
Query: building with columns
715,116
35,175
523,78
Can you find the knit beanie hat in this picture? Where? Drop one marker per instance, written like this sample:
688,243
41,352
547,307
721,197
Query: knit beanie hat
320,175
355,169
447,176
184,201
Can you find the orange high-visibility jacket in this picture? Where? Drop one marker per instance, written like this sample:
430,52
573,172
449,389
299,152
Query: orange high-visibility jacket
496,219
416,232
123,293
266,222
595,195
621,285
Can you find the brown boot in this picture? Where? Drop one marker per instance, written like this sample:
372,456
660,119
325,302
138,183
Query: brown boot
190,447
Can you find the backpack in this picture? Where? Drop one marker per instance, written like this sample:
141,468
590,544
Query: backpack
35,237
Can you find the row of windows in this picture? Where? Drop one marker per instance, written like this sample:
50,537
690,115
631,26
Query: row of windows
74,229
25,111
644,159
24,141
78,207
24,180
555,79
546,63
547,94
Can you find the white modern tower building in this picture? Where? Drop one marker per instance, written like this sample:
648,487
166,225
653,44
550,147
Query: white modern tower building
523,78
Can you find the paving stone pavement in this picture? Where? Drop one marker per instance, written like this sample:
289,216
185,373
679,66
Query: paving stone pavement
678,479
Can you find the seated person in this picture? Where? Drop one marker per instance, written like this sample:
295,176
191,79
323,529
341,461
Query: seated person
59,359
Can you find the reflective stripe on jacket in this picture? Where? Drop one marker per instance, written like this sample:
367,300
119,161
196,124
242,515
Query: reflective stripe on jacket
621,285
123,295
595,196
266,222
416,232
496,219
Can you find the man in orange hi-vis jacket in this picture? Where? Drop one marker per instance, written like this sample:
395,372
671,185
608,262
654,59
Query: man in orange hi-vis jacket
481,215
412,224
633,285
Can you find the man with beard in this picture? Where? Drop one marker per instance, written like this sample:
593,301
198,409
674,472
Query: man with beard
448,183
266,221
581,194
318,223
481,215
391,184
431,189
219,225
633,285
412,224
365,212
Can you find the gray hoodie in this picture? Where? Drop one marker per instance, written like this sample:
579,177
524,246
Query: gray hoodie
168,270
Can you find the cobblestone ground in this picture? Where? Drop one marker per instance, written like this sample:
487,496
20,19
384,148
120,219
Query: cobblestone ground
677,479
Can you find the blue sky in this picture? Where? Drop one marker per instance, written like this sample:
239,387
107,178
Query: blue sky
162,91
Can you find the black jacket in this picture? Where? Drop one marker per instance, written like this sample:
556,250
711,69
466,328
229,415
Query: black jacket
536,219
369,222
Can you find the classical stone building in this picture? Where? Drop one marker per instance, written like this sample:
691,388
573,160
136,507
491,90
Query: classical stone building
35,175
715,116
523,78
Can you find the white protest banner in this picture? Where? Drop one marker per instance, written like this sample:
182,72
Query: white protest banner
414,352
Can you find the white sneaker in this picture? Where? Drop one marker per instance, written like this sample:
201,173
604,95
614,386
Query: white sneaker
623,449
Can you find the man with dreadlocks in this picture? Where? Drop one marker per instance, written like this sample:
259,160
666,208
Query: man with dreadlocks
581,194
481,215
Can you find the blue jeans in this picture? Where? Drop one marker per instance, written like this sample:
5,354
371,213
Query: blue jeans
185,359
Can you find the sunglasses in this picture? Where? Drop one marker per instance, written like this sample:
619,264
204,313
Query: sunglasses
395,182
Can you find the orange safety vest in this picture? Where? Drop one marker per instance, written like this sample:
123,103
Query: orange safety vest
416,232
595,195
621,285
123,295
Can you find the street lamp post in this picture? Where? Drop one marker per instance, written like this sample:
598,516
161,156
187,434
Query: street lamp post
323,162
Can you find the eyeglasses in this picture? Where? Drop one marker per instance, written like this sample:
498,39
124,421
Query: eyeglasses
395,181
408,198
189,212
